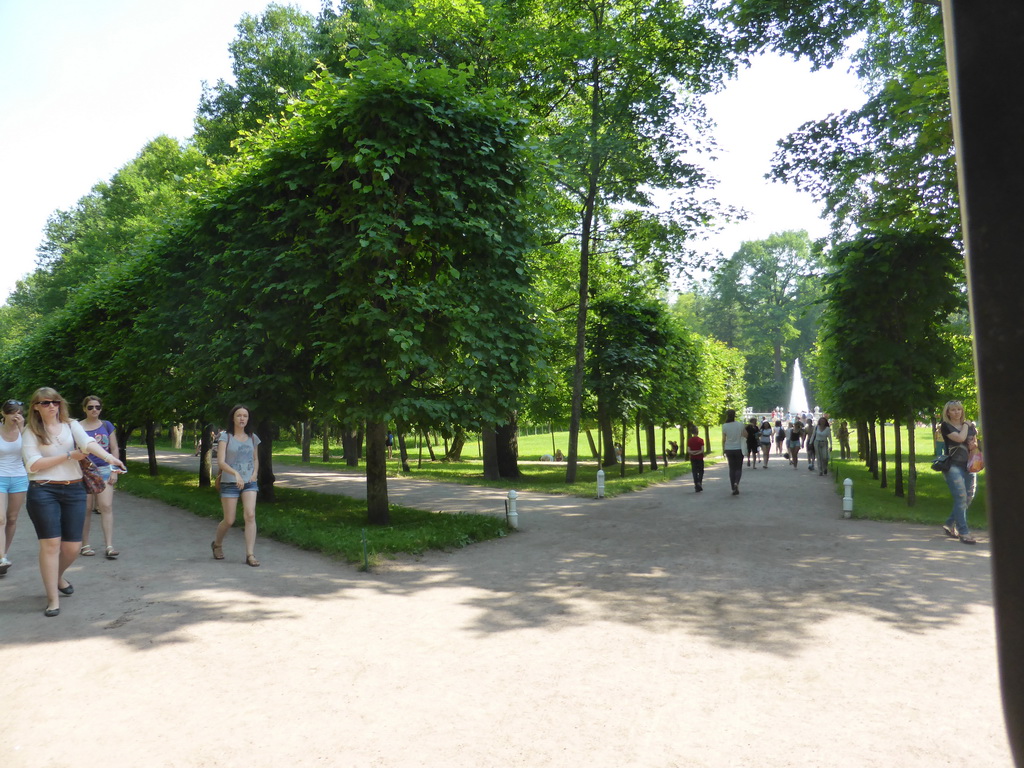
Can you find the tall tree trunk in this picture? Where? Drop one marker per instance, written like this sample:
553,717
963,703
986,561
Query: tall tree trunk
911,461
206,457
881,454
595,449
507,447
430,445
622,464
873,450
325,454
652,446
863,444
898,491
454,451
377,512
589,211
154,470
265,477
350,446
707,439
490,442
307,439
403,450
639,447
604,423
177,430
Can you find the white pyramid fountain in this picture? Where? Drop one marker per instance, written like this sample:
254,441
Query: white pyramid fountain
798,394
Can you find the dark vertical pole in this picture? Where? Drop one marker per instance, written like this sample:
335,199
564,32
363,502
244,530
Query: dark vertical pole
984,44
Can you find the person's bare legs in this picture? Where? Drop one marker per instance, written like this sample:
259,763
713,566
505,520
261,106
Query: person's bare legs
13,505
249,516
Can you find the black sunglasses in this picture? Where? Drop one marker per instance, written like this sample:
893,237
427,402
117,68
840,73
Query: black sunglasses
14,402
94,407
49,402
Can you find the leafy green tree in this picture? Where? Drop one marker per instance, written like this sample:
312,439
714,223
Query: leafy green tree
883,345
270,60
378,235
763,300
106,227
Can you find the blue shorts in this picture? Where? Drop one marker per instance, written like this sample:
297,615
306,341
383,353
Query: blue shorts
14,484
57,511
229,490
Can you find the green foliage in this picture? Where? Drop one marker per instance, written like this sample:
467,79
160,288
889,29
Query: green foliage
270,59
370,249
882,346
889,164
764,301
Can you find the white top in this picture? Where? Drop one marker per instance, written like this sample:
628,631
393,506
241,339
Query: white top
734,435
71,435
11,464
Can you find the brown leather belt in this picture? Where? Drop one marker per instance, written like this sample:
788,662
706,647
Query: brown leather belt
56,482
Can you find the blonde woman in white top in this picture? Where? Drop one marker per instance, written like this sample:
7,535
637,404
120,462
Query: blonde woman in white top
13,478
52,446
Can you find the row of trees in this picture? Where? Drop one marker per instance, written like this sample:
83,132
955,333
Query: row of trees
429,231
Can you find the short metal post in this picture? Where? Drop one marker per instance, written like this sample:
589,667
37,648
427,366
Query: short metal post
511,515
600,483
847,498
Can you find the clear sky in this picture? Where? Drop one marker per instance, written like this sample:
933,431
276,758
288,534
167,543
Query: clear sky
88,82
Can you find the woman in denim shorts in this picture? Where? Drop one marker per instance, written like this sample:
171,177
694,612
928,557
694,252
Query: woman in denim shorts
52,446
237,463
13,477
102,432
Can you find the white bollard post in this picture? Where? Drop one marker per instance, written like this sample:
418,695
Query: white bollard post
600,483
511,515
847,498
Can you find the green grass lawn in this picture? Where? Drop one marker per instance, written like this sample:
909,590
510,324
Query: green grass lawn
330,524
933,503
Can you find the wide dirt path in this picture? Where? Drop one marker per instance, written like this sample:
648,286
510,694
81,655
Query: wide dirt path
661,628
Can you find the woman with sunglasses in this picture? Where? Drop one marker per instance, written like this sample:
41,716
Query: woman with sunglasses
52,446
103,433
13,478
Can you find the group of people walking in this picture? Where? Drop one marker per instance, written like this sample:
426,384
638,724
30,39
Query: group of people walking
44,456
41,455
753,441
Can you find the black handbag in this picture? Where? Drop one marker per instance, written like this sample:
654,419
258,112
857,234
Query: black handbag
941,464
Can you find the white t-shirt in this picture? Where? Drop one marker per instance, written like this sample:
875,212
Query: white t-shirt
11,464
734,436
71,436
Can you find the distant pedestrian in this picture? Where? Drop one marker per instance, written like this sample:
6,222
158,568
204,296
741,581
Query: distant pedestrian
809,432
766,438
961,437
695,450
733,440
780,437
753,436
822,444
843,433
238,464
794,438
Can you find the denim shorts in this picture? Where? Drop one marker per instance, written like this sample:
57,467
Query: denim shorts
229,490
14,484
57,511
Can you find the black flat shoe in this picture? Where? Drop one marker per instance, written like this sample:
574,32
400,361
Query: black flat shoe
68,590
51,612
